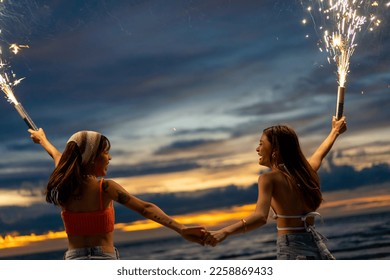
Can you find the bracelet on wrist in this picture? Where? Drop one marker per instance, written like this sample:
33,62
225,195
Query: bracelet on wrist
244,225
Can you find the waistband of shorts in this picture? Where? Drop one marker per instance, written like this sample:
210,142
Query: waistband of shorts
96,250
295,236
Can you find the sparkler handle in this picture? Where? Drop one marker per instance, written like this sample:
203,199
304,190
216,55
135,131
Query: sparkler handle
340,102
25,116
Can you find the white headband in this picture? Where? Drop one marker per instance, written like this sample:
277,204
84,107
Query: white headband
88,143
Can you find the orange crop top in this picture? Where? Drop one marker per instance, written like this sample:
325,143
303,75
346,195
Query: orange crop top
90,223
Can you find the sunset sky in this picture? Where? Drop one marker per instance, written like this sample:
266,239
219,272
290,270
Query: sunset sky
183,90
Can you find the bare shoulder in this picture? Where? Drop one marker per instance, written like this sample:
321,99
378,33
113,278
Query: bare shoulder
110,187
108,183
271,177
266,182
115,191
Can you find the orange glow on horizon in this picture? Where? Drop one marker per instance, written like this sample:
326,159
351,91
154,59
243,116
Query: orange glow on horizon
10,241
359,203
211,218
206,219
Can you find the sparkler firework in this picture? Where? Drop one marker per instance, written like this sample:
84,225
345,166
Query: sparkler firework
340,21
8,81
7,89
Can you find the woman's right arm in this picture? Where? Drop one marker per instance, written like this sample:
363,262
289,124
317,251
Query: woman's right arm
39,137
149,210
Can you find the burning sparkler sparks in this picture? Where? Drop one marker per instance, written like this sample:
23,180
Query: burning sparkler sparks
340,21
8,81
15,48
7,89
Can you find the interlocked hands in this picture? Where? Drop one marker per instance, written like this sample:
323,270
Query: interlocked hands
202,236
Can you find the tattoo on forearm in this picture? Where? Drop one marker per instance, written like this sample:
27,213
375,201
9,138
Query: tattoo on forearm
159,219
123,198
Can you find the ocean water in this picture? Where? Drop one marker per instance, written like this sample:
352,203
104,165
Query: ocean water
358,237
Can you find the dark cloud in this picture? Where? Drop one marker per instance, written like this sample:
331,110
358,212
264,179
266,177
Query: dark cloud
345,177
204,130
183,145
20,146
154,167
39,218
35,179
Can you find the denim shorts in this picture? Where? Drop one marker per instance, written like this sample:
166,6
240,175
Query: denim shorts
301,246
91,253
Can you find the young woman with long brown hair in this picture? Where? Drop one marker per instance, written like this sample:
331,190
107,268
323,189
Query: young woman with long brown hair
291,190
86,202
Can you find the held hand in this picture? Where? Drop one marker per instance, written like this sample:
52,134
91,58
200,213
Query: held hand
194,234
212,238
38,136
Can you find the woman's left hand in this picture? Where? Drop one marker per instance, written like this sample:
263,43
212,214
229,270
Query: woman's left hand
38,136
194,234
212,238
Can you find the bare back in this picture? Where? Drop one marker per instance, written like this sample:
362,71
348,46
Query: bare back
89,201
286,200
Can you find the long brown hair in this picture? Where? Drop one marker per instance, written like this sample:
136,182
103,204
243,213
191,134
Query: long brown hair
290,159
66,180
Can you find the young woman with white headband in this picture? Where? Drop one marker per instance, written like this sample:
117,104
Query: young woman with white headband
87,202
